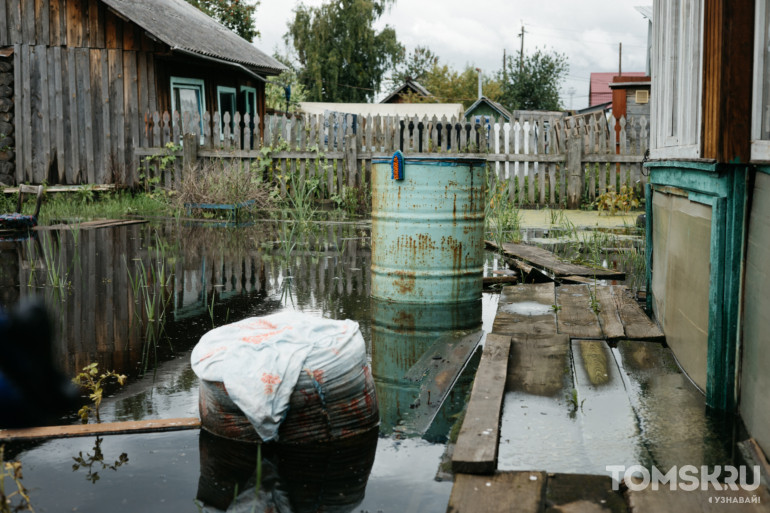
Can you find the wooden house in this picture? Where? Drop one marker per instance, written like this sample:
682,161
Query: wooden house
484,107
78,76
402,94
708,201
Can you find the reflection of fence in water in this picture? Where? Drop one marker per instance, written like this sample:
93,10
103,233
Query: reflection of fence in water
97,318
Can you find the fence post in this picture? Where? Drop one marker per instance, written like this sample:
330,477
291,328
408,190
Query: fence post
189,155
351,158
575,170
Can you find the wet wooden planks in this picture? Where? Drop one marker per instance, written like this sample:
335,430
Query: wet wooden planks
504,492
543,309
437,371
477,443
576,315
530,491
526,309
537,364
548,261
111,428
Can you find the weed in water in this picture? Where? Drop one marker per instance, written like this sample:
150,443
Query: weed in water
88,461
17,500
55,269
92,382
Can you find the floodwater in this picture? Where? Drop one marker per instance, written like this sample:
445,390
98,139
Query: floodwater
208,276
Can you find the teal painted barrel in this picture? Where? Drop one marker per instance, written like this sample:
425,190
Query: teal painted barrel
428,230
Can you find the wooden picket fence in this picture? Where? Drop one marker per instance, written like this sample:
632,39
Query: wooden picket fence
541,160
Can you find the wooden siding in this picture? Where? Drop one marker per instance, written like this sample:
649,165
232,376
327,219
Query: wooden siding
760,133
676,79
728,37
84,79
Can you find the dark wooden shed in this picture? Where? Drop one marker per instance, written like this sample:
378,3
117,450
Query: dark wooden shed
79,76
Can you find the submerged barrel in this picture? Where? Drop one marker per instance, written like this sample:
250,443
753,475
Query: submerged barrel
428,229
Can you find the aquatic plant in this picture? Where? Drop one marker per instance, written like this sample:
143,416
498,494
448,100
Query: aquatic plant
614,202
93,382
149,287
13,471
90,460
502,218
56,272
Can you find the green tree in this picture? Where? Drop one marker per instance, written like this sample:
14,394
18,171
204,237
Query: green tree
341,57
416,66
533,83
275,93
448,85
237,15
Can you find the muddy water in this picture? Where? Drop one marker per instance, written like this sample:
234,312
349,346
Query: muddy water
214,276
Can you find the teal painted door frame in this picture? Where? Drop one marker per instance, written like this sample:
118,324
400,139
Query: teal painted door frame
723,187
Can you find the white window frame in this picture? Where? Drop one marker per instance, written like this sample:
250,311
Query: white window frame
760,148
676,113
190,83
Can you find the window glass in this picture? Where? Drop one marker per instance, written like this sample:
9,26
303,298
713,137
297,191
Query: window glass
227,103
187,96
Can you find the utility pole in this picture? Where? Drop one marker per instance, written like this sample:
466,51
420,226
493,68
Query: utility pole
505,74
521,52
620,59
571,93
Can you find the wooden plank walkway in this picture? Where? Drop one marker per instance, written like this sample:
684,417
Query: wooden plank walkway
543,309
504,492
477,443
108,428
549,262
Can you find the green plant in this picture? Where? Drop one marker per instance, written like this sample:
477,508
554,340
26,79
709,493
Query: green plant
89,460
595,306
92,382
614,202
56,271
502,217
162,162
13,471
86,194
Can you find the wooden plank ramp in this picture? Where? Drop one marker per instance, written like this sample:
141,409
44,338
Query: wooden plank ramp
575,315
477,443
437,371
536,365
108,428
526,309
548,261
704,501
635,322
609,317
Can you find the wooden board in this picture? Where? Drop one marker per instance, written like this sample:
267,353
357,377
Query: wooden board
704,501
476,448
575,316
111,428
437,371
548,261
526,309
580,493
507,492
609,318
92,225
536,364
635,322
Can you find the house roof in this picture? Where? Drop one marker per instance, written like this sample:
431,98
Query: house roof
599,90
183,27
409,84
492,104
645,10
385,109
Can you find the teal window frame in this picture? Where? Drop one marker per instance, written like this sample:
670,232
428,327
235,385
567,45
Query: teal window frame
232,91
194,84
250,108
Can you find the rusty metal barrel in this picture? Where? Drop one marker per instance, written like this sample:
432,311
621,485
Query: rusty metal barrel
428,229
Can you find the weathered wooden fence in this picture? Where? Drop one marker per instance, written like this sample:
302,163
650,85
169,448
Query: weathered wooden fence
541,160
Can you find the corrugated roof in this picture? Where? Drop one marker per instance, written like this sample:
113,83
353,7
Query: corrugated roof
182,26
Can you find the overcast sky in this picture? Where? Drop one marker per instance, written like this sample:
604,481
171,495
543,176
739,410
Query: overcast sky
476,32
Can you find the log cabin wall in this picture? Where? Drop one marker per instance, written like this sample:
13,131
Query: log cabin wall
81,77
84,76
